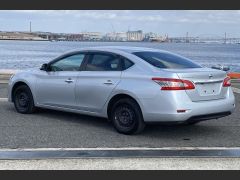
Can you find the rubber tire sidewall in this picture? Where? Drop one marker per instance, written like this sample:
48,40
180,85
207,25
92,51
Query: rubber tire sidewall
31,107
139,122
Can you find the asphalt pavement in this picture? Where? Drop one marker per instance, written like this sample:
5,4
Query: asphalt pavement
54,129
3,90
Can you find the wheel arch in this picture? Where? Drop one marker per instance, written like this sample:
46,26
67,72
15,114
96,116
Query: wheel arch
17,84
117,97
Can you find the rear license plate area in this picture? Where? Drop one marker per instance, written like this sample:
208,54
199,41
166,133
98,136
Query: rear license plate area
208,89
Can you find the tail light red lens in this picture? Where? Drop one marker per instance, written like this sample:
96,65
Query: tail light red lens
174,84
227,82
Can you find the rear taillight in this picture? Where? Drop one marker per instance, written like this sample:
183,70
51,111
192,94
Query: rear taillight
227,82
174,84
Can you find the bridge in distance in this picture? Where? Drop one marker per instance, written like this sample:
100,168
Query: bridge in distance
206,38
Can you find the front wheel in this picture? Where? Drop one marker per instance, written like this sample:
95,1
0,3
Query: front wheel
23,100
126,116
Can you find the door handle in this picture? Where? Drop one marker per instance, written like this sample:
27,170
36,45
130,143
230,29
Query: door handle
69,81
108,82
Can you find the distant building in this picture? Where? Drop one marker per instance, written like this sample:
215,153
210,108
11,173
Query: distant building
135,35
75,37
149,36
91,36
116,36
20,36
155,37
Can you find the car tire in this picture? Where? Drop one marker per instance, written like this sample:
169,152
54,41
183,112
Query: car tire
23,100
126,117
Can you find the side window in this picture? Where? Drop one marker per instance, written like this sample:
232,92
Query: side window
166,60
127,64
103,62
70,63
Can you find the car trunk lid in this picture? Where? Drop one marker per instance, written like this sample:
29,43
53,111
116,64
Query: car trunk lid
208,83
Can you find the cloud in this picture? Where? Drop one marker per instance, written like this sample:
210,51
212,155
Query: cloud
174,16
101,20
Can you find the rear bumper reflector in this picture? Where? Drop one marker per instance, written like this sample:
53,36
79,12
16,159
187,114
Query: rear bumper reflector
181,111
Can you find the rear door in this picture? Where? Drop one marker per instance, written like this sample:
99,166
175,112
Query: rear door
97,80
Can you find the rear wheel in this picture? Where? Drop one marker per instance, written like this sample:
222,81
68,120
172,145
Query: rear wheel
126,116
23,100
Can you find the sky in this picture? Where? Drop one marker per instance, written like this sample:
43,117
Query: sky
172,22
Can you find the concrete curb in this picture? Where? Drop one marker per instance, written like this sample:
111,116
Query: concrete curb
3,81
5,74
76,153
124,164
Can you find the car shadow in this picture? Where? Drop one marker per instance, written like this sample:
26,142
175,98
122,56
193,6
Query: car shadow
73,117
152,131
177,129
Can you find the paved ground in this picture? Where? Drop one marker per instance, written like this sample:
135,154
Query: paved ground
52,129
3,90
236,83
125,164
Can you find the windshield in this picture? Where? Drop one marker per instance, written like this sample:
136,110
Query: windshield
166,60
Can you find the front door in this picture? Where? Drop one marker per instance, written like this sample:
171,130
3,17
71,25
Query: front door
56,87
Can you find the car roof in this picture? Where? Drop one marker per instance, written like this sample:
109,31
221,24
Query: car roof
127,49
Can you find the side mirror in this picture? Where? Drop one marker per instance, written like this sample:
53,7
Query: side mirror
221,67
44,67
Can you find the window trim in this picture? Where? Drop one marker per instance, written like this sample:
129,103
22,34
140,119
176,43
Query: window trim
90,52
123,64
87,54
66,56
191,61
90,55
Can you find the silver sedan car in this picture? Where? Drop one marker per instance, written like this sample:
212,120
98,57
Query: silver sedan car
131,86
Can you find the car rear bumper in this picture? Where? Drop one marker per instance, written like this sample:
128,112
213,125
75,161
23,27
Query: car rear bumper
208,117
164,108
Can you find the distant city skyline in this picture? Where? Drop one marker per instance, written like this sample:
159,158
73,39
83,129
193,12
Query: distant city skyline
171,22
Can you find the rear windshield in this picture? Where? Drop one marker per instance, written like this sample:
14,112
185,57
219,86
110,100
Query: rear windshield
166,60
